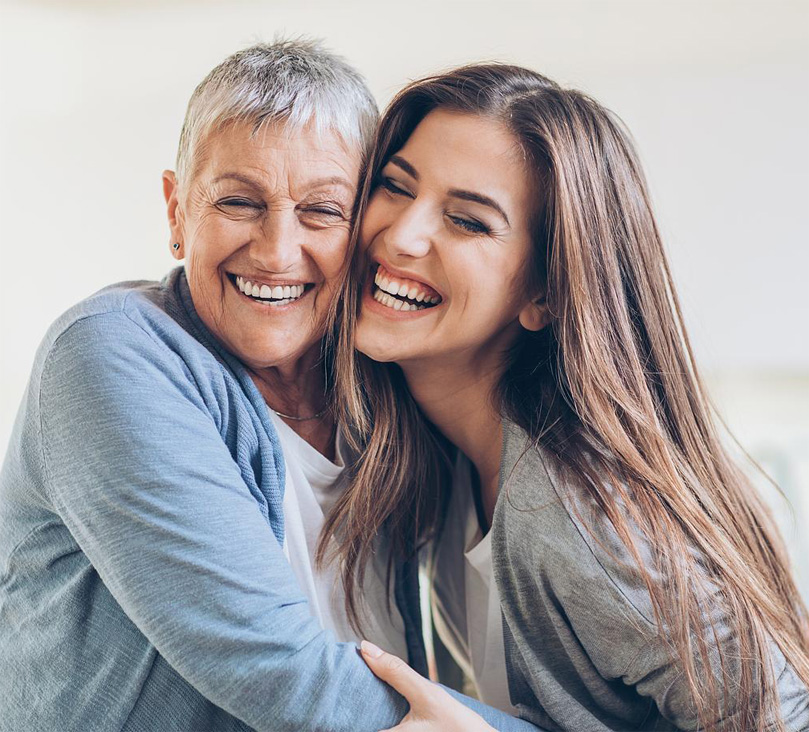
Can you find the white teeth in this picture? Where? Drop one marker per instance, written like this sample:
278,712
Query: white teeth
410,291
280,294
388,301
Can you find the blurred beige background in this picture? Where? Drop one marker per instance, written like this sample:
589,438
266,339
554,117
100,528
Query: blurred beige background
716,92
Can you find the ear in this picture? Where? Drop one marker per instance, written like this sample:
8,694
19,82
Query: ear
170,193
535,315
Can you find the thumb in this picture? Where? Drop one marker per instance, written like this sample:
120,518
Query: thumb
394,671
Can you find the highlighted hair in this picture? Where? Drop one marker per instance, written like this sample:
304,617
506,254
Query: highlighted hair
609,388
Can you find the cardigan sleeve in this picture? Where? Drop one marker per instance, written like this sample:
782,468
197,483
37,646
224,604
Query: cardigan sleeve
140,475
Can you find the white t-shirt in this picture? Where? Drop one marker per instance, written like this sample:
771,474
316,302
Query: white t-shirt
313,485
466,603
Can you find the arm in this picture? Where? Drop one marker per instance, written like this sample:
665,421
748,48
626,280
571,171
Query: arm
140,475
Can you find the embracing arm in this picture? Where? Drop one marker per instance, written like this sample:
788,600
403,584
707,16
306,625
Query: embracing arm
140,475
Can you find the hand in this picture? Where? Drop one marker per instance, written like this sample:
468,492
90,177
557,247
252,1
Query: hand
431,708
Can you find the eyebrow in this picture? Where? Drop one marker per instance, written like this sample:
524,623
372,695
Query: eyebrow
400,162
479,198
237,176
405,166
335,180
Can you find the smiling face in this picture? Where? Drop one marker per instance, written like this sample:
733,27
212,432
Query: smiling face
447,235
263,227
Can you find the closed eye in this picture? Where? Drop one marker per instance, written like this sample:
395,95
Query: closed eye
323,210
470,225
392,187
237,203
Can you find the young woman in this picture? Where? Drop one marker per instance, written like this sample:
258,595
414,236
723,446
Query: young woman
599,562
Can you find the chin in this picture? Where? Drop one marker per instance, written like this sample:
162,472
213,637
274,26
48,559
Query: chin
382,353
265,355
380,358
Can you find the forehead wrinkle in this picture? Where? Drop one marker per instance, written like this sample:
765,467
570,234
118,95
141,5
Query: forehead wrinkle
336,185
246,179
334,181
274,156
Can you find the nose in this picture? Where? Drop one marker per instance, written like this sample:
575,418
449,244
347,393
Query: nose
277,246
411,234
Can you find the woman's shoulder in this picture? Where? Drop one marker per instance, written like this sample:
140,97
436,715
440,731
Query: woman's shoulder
112,318
126,332
560,565
553,526
119,299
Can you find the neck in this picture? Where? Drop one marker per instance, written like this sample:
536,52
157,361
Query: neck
458,401
298,389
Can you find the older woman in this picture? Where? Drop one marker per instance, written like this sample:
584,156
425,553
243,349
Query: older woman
149,495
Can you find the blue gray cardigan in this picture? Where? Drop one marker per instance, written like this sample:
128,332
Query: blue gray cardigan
143,584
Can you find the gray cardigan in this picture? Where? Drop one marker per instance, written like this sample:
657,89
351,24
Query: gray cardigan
582,651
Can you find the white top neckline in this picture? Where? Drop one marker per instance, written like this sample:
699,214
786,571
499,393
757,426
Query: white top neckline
469,619
313,484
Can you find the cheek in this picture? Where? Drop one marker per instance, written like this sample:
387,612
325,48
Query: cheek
216,238
329,252
378,215
486,288
199,272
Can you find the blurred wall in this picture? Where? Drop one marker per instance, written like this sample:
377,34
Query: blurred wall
92,96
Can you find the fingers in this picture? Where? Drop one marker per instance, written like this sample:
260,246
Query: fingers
409,683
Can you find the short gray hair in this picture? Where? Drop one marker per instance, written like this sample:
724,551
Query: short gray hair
295,82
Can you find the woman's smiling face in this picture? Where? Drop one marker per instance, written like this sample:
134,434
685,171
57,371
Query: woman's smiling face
263,226
447,236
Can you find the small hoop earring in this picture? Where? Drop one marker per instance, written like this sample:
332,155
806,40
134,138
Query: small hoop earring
175,246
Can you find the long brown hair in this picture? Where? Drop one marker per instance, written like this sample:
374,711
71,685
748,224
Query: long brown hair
609,388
